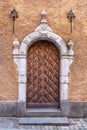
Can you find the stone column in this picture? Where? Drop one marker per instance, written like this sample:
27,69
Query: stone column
22,79
16,53
63,78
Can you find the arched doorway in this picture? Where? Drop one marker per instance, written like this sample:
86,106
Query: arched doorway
43,75
43,32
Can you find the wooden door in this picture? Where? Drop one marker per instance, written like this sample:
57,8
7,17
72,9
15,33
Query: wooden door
43,75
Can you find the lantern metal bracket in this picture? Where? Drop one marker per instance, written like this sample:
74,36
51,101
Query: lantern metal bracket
71,16
14,15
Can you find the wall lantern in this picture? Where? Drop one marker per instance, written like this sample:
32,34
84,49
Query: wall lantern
71,16
14,15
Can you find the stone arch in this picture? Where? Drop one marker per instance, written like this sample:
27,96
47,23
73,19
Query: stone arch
43,32
49,36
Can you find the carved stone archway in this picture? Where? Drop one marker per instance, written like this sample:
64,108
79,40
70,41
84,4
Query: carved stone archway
42,32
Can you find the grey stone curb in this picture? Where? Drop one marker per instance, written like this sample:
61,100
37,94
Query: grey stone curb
15,129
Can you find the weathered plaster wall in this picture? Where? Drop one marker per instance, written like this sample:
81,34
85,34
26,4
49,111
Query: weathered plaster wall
29,19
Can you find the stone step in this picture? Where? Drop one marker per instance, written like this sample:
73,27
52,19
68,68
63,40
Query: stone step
44,121
51,112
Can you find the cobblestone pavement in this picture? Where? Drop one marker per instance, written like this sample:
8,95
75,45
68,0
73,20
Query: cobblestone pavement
11,123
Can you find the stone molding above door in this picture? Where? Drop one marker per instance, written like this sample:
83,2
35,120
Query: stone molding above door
43,32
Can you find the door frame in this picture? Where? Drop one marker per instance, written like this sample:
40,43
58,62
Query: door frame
42,32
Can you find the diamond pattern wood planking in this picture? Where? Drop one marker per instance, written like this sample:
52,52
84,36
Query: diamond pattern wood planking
43,74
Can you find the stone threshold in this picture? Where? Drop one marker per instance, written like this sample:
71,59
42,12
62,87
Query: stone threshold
43,110
44,121
51,112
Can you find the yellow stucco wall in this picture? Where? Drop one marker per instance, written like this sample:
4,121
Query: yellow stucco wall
29,19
